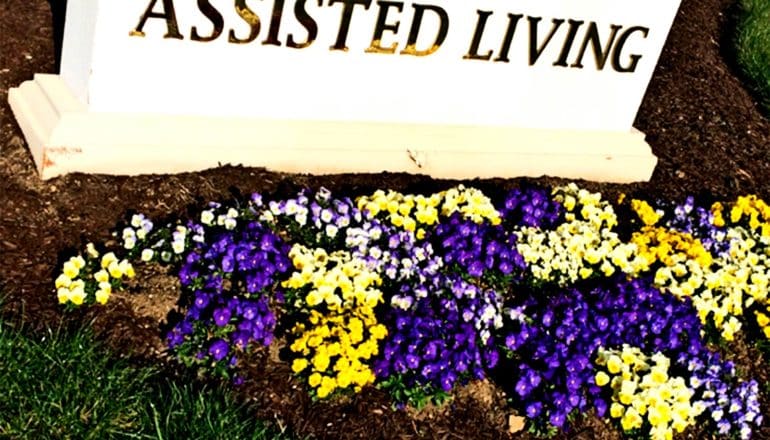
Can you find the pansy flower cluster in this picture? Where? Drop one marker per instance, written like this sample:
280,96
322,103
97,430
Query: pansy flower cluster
91,277
477,249
749,211
585,245
680,261
228,284
549,295
321,220
337,333
648,215
137,229
394,253
416,212
445,338
644,395
316,219
732,405
489,249
553,339
668,245
142,240
531,207
745,272
698,221
471,203
723,266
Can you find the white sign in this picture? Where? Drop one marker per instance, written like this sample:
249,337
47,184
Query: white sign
514,74
563,64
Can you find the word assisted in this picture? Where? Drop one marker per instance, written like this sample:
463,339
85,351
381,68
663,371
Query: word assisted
567,40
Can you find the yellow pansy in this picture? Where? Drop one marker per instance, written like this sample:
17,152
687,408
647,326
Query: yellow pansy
299,364
102,276
70,270
102,296
63,295
62,281
108,259
77,296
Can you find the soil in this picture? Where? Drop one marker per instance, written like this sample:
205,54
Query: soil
702,123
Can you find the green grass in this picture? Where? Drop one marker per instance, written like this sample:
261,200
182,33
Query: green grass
69,387
753,48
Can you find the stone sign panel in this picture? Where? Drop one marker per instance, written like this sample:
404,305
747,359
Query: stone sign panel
472,88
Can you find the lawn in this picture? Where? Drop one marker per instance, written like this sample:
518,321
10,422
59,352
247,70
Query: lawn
753,48
65,384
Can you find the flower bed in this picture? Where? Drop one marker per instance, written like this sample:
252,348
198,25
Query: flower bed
570,303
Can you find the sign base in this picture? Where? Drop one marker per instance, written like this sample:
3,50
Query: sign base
64,137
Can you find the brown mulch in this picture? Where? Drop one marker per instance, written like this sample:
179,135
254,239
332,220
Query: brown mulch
702,124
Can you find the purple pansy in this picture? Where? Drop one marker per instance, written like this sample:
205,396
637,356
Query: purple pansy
229,276
219,349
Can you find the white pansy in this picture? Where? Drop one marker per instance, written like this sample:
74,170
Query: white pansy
207,217
147,255
136,220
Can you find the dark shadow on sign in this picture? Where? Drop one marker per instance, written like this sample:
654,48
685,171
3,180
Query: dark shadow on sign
58,12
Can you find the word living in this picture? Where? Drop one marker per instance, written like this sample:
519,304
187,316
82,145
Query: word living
575,37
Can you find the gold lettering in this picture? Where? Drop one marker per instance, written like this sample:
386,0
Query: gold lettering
534,50
481,23
275,24
600,54
382,26
411,43
250,18
347,14
168,13
216,19
411,49
307,22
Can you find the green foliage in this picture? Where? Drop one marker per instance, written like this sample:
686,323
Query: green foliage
67,386
184,412
540,429
752,41
416,396
763,345
58,386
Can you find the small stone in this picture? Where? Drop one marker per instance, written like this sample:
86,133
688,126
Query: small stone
515,423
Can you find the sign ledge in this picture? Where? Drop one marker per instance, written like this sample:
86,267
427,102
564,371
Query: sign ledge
65,137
